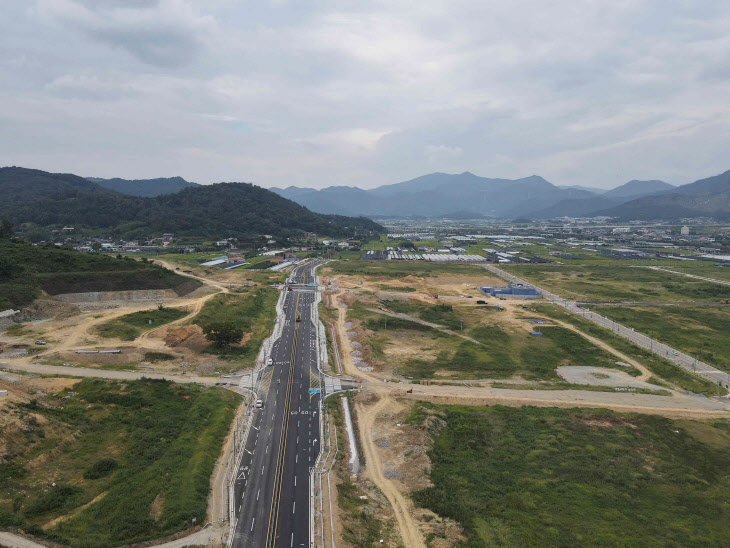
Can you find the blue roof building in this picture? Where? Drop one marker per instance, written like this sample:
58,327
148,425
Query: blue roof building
512,291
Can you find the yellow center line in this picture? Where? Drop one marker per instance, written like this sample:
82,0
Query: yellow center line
278,474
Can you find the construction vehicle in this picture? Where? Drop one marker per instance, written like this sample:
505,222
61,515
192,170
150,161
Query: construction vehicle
409,391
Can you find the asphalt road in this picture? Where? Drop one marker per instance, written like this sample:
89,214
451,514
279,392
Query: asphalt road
271,494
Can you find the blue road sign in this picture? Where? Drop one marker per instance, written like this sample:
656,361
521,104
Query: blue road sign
314,390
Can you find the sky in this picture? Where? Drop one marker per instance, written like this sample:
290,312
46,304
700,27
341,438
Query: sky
317,93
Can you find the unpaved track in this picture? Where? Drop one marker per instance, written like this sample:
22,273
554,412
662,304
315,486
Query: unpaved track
195,306
645,373
24,364
688,275
403,508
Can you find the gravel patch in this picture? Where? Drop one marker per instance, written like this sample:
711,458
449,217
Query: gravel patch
601,376
15,354
348,325
391,473
382,442
355,344
352,334
356,353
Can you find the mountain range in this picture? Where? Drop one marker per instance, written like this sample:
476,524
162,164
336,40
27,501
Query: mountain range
221,210
144,187
176,205
443,194
708,197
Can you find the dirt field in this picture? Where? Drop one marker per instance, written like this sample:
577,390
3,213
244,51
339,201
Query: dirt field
444,284
399,450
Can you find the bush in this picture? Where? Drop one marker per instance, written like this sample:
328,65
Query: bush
158,356
56,498
102,467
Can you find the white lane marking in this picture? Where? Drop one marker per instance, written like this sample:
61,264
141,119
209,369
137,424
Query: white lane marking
257,494
262,470
252,522
295,481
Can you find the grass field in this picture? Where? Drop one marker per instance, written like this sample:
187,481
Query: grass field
534,477
702,331
253,310
130,461
618,283
717,272
131,326
504,352
662,368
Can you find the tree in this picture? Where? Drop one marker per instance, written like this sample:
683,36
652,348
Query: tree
6,229
223,334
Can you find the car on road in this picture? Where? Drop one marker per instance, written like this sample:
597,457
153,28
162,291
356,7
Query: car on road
270,361
40,343
259,404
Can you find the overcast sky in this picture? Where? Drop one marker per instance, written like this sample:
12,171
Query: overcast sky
316,93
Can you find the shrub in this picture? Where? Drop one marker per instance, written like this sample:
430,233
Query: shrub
102,467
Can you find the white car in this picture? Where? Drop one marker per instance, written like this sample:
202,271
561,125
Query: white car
259,404
270,361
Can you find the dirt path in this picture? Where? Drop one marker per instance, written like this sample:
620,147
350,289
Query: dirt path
403,509
195,307
688,275
422,322
697,407
645,373
24,364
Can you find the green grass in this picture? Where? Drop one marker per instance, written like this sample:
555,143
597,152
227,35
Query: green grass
504,355
18,330
612,283
717,272
163,440
397,288
254,310
702,332
131,326
27,270
441,314
524,477
158,356
501,355
661,367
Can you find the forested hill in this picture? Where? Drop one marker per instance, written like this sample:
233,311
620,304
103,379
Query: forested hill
27,269
144,187
211,211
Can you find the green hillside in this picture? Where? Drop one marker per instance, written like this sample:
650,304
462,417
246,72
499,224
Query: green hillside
209,211
26,270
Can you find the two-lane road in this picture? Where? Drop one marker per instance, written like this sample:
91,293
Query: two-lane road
271,494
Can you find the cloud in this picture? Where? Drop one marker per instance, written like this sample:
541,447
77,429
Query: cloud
168,33
367,93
